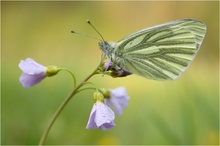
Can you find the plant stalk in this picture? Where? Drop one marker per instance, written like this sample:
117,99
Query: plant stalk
63,104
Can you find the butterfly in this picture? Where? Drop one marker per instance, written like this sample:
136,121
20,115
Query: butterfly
161,52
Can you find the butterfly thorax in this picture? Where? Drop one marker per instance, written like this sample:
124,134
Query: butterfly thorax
108,49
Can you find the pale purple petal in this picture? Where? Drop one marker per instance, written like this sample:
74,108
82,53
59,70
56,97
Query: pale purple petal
107,126
33,72
29,66
104,117
118,99
91,123
101,117
29,80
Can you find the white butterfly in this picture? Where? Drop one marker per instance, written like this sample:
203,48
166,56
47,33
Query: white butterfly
161,52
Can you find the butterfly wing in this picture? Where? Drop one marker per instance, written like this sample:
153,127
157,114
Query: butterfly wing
161,52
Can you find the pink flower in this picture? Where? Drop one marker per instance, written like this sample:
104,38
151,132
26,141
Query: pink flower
101,117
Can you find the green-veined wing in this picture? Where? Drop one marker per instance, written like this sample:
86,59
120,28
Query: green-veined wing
161,52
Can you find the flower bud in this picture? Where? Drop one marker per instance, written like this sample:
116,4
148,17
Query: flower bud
105,92
52,70
97,96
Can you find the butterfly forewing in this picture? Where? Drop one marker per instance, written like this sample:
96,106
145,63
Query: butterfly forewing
162,52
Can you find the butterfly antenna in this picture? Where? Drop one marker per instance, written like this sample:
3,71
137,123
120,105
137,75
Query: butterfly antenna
88,21
72,31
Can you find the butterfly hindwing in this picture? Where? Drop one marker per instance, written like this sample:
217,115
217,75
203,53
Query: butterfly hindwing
161,52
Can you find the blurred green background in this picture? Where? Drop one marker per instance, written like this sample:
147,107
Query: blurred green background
185,111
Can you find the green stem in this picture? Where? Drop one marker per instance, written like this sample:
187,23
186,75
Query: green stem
74,78
87,88
63,104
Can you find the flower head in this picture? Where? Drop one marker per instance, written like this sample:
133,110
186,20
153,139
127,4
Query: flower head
118,99
101,116
34,72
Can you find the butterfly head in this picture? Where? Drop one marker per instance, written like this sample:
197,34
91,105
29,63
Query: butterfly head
104,45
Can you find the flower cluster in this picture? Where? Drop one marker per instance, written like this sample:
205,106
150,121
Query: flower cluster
101,115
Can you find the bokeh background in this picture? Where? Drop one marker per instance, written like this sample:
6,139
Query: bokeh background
184,111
